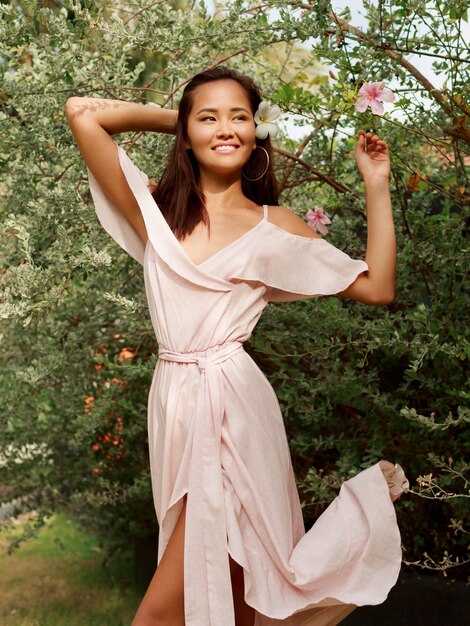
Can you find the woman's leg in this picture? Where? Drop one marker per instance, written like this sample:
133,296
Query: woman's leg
163,603
244,614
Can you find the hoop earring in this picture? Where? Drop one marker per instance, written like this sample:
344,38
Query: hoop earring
265,169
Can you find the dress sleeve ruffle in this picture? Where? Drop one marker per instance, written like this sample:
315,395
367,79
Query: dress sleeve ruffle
114,222
294,267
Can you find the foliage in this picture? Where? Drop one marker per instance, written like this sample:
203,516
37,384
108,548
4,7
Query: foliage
355,383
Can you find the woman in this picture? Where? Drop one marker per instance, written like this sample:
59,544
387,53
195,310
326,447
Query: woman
232,544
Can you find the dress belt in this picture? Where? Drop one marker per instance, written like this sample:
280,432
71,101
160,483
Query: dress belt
214,354
207,582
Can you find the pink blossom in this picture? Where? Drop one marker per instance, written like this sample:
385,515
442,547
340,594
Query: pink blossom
373,94
317,220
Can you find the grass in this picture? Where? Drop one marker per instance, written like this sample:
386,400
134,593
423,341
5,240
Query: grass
56,579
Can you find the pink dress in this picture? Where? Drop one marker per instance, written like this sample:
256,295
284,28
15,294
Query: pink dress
216,431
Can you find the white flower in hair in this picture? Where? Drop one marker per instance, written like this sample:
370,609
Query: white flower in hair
264,120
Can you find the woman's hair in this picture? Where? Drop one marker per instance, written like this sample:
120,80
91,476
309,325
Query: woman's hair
177,194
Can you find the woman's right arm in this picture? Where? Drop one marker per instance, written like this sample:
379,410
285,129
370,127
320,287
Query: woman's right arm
93,121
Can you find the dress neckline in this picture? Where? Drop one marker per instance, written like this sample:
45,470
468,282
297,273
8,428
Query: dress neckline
224,248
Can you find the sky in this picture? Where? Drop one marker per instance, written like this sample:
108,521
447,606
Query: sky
422,63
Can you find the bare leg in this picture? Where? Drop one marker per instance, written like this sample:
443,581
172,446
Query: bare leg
244,614
163,603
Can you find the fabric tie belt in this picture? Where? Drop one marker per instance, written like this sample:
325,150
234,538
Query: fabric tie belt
207,581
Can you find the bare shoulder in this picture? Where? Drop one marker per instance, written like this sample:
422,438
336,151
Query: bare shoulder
288,220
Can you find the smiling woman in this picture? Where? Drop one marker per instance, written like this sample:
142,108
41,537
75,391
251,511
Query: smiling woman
215,249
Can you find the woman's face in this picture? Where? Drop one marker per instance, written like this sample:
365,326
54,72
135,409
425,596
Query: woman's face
221,128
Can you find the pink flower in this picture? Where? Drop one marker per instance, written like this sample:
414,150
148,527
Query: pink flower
317,220
373,94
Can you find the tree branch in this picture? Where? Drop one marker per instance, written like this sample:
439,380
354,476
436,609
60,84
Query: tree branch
329,180
460,130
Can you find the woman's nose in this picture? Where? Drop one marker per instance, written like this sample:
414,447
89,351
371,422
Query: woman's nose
224,130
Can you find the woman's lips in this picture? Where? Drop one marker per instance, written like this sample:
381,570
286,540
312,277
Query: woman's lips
225,149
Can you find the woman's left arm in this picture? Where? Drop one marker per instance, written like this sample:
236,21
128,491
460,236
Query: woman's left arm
377,286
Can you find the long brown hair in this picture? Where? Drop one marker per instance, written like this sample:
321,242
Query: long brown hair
177,194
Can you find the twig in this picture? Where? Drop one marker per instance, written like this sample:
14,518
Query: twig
321,176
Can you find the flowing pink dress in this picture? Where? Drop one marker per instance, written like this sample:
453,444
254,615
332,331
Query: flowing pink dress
216,431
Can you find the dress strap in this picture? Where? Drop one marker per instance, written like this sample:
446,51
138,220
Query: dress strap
265,207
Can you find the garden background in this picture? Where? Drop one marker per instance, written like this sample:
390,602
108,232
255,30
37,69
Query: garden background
356,383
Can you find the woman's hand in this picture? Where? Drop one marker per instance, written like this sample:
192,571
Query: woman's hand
373,164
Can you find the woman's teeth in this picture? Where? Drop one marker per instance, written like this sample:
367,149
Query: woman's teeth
225,148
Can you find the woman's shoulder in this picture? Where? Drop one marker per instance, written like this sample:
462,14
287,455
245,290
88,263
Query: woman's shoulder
288,220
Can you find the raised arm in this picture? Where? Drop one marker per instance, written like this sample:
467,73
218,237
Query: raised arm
93,121
377,287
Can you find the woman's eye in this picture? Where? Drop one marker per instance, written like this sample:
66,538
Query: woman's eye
211,118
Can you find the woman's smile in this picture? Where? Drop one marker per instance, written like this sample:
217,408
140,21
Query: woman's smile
225,148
